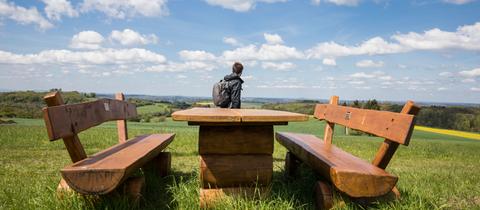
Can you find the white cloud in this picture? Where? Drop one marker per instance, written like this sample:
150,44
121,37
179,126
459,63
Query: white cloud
458,1
369,64
265,52
23,15
56,8
129,37
377,74
95,57
468,80
475,89
329,62
181,67
196,55
273,38
231,41
356,82
284,66
87,40
442,88
472,73
239,5
122,9
338,2
445,74
465,37
373,46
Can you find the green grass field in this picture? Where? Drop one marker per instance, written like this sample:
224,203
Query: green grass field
158,107
435,171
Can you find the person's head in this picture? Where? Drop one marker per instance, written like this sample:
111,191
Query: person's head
237,68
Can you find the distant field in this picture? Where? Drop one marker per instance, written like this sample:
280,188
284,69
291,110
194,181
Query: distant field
462,134
435,171
158,107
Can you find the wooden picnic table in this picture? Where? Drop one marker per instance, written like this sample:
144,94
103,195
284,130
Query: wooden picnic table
235,147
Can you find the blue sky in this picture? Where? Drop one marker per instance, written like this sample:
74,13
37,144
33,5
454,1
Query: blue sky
357,49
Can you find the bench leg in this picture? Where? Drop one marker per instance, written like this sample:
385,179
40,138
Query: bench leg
134,187
160,165
323,195
291,165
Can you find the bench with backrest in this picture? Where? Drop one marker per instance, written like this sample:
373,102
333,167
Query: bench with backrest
349,174
103,172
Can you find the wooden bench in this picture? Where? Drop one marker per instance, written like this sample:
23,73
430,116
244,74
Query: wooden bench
351,175
104,171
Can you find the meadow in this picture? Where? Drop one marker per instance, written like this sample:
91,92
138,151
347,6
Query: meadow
435,171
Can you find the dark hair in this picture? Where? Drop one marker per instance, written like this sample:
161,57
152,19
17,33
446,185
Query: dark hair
237,68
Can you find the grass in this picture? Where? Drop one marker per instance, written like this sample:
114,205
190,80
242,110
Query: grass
462,134
435,171
158,107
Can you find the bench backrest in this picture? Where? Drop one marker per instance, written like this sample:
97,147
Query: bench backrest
396,128
66,121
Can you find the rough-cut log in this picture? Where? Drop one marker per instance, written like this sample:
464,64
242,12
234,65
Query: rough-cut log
236,140
235,170
323,196
349,174
104,171
68,120
393,126
208,197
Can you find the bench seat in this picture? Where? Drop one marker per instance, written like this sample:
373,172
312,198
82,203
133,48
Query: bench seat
104,171
349,174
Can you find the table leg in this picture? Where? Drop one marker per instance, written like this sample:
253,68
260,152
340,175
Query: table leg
233,158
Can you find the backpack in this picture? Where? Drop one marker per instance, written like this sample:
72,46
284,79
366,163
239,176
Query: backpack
221,93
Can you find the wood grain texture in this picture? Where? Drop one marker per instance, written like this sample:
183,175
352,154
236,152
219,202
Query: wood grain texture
121,124
388,147
106,170
67,120
349,174
393,126
216,115
236,140
235,170
329,126
323,195
72,143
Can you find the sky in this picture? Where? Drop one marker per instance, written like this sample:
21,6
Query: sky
395,50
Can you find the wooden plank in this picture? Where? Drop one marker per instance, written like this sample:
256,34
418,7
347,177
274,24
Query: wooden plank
67,120
207,115
393,126
236,123
106,170
72,143
236,140
235,170
349,174
121,124
387,148
236,115
329,126
263,115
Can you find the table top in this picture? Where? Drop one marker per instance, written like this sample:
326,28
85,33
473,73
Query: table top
220,115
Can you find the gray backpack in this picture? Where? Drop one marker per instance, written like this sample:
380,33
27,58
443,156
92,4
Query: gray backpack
221,93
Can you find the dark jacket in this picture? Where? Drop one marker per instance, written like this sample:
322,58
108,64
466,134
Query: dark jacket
235,87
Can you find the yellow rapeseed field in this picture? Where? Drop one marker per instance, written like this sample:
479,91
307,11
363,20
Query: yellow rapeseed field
463,134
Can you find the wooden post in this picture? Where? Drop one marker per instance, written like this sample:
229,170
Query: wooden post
328,136
388,148
72,143
121,124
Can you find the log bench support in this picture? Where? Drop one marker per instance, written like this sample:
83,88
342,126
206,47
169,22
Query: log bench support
363,182
235,160
109,171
